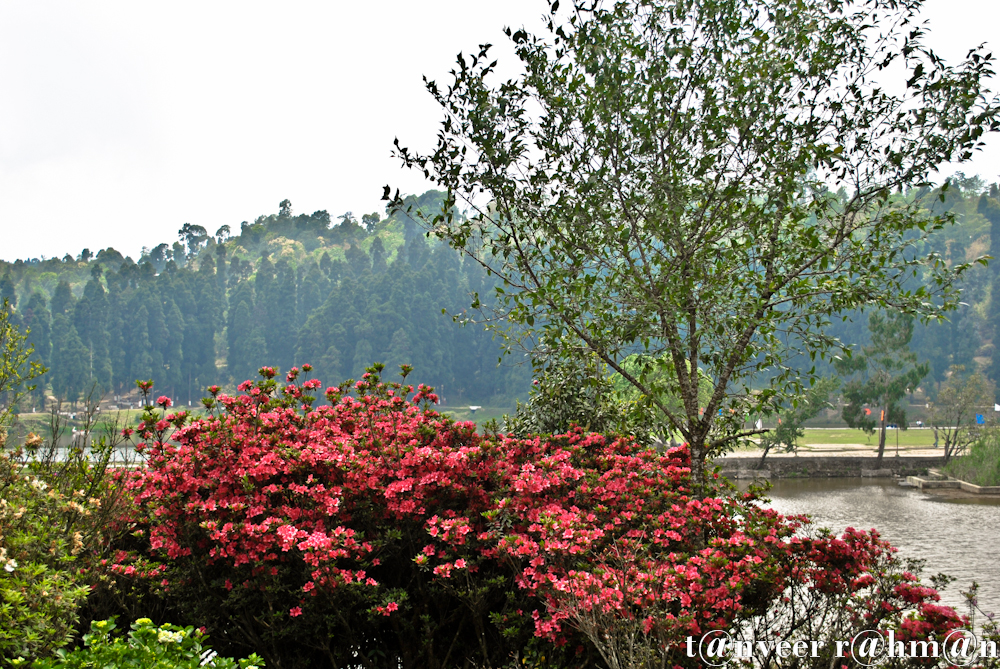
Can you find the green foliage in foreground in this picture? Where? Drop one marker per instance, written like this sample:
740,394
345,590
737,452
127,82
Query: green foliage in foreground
147,647
982,464
39,595
16,369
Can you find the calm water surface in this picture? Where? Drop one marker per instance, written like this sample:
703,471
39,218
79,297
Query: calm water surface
956,536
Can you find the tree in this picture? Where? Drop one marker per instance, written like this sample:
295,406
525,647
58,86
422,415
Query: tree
248,349
90,320
958,401
400,350
38,328
159,255
369,221
17,369
7,290
357,260
378,255
62,298
791,419
177,256
661,176
573,393
193,236
222,234
989,207
280,329
884,372
70,360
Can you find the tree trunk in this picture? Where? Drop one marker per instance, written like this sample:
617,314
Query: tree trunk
697,454
760,465
881,440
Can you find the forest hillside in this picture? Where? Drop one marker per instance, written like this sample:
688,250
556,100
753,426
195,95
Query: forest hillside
340,293
212,307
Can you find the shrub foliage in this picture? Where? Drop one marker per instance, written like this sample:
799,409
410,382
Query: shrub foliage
375,532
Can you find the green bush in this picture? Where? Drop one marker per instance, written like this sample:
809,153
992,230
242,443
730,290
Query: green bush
583,394
39,593
981,465
147,647
57,513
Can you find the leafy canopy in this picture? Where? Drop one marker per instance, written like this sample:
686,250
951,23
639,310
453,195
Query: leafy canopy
17,369
660,179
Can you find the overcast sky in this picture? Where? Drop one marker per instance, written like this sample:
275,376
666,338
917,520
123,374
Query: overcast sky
121,121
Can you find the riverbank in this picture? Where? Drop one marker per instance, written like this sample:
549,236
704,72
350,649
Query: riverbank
831,461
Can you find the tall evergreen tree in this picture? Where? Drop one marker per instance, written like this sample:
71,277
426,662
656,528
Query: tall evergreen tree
91,322
281,330
880,375
989,207
357,260
8,290
142,360
249,349
62,298
36,319
70,360
378,256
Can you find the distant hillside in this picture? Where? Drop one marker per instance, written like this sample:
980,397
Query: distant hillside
210,308
968,336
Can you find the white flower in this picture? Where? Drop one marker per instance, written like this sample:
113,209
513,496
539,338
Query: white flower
10,566
166,636
39,485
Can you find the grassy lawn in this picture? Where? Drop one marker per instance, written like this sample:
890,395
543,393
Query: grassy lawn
911,437
39,422
463,413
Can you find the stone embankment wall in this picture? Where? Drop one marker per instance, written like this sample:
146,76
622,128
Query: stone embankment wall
783,466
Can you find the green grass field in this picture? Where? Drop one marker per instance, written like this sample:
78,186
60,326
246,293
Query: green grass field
463,413
911,437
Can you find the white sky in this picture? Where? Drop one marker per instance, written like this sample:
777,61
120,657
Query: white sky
121,121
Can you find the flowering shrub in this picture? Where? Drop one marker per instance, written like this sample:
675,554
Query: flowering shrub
374,531
39,591
57,515
147,646
305,533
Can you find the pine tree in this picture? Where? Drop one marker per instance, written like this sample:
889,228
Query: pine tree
280,329
90,316
378,255
38,323
62,299
140,360
880,375
70,360
8,290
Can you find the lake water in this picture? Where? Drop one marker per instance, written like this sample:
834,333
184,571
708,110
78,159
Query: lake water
958,536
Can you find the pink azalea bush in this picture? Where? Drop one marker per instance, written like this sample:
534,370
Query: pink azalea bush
375,532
